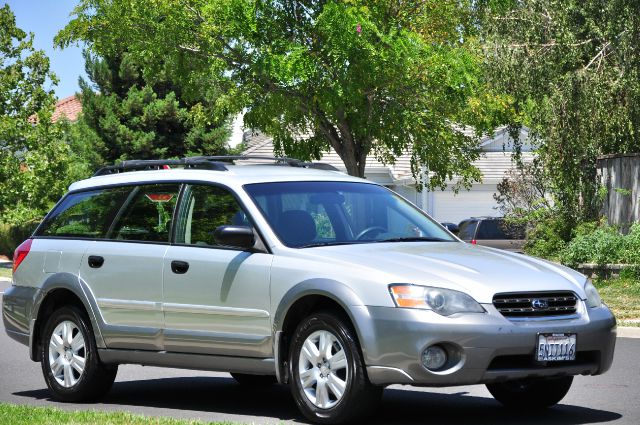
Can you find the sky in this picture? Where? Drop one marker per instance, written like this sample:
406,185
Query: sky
44,18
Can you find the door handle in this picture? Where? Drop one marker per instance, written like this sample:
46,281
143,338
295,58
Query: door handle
95,261
179,267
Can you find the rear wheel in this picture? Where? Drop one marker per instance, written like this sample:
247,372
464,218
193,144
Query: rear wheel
531,393
254,380
328,378
69,358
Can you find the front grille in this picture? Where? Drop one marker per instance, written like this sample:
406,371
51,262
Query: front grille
536,304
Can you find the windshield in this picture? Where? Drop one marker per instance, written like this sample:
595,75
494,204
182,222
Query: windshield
305,214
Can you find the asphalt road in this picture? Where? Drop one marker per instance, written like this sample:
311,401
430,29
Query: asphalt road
612,398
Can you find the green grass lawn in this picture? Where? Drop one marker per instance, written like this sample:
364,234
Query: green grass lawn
623,298
11,414
5,272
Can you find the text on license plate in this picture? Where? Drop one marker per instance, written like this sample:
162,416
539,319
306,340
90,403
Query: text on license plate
556,347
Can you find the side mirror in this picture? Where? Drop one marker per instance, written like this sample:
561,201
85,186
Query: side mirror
234,236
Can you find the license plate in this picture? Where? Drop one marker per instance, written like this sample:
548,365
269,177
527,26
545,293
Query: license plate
556,347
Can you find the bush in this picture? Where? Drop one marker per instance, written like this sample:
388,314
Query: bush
602,245
13,235
544,239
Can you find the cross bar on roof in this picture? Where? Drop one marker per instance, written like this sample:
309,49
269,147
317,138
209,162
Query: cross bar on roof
215,163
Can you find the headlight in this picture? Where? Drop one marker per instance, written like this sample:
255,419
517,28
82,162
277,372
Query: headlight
593,298
442,301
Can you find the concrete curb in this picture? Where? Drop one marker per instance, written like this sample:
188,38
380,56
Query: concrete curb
628,332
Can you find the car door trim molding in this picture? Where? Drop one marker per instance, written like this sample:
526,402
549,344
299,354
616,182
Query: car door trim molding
129,305
215,310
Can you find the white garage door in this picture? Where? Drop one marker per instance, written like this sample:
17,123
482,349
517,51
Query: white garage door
447,206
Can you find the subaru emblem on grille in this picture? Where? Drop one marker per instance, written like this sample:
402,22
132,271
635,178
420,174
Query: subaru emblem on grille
539,304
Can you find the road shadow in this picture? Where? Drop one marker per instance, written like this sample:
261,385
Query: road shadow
406,406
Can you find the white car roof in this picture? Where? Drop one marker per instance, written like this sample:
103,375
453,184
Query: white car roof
235,176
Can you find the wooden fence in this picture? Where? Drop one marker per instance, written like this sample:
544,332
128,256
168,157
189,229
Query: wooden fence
620,175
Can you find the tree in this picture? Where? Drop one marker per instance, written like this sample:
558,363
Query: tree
359,76
136,118
36,163
573,70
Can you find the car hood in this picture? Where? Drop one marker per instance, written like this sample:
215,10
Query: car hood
479,271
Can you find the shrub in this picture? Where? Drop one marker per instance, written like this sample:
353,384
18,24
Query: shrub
544,239
602,245
13,235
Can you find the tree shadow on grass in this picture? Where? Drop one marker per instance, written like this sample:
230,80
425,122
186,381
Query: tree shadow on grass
399,406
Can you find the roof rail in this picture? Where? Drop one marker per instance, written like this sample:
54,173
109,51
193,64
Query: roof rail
214,163
278,160
159,164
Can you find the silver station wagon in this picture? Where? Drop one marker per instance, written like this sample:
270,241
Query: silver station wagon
283,272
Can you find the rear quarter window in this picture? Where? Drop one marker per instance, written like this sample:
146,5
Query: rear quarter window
467,230
85,214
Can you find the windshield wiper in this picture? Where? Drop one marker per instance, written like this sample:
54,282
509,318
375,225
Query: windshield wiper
311,245
414,239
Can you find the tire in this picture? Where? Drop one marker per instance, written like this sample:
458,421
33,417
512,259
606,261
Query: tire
346,394
531,393
73,381
258,381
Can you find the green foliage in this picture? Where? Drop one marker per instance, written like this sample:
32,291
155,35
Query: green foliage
545,236
36,161
13,235
143,117
602,245
360,76
572,68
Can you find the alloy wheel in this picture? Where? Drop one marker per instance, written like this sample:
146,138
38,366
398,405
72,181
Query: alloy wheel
67,353
323,369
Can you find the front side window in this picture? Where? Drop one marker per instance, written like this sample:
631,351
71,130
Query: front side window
147,215
203,209
85,214
305,214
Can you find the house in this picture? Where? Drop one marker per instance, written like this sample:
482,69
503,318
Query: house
495,161
69,107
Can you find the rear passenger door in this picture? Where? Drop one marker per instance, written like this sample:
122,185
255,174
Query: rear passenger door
124,268
216,299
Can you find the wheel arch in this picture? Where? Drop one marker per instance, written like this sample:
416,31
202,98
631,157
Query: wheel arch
58,290
305,298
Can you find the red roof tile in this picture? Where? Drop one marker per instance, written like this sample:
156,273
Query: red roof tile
69,107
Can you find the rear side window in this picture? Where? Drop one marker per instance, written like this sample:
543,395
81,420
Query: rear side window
499,229
148,214
467,230
85,214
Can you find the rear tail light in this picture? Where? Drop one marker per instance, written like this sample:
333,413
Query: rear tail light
21,253
473,241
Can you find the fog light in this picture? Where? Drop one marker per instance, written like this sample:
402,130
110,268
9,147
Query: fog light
434,357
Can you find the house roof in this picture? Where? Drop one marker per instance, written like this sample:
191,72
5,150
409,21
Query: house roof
69,107
493,163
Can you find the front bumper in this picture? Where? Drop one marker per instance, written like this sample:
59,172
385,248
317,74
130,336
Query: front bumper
491,347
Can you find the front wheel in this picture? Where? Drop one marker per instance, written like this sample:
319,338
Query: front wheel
531,393
70,362
328,378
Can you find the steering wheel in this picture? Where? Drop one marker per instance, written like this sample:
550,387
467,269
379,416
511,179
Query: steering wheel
368,230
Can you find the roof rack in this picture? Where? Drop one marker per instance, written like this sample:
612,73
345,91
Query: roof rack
213,163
